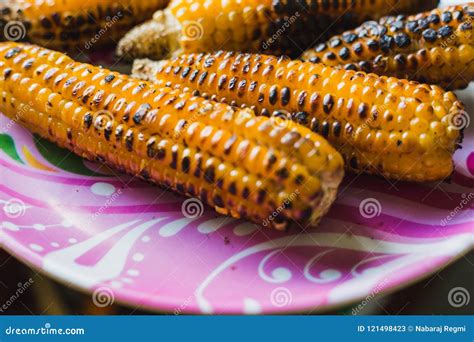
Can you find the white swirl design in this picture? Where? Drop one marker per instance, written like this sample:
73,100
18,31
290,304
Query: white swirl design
192,30
192,208
14,208
370,208
281,297
102,297
14,31
458,297
459,120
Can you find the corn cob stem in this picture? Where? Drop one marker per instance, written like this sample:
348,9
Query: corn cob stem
240,164
248,25
395,128
72,25
435,47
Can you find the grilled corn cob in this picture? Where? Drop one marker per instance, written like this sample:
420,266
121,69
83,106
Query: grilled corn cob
282,26
435,47
399,129
72,24
238,163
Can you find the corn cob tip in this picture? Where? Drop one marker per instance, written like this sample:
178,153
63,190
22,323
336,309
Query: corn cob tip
157,38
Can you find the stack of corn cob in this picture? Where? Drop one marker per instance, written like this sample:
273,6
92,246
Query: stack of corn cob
277,26
72,25
244,132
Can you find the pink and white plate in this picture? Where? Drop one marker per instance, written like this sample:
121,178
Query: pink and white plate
124,240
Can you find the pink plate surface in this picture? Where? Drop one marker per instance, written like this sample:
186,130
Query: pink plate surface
122,239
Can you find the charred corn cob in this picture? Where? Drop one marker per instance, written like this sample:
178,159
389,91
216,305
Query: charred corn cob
435,47
72,25
399,129
236,162
282,26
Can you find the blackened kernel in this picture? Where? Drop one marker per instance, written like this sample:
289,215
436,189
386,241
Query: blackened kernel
314,125
423,23
285,96
193,76
202,78
12,52
328,103
445,31
335,42
273,95
325,129
344,53
174,157
69,133
357,48
446,17
209,174
185,72
349,37
232,188
283,173
400,59
412,25
186,164
362,110
218,202
433,18
330,56
88,120
336,127
320,48
7,72
429,35
465,26
109,78
129,140
301,118
373,45
354,163
299,179
232,83
402,40
315,59
245,193
386,43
